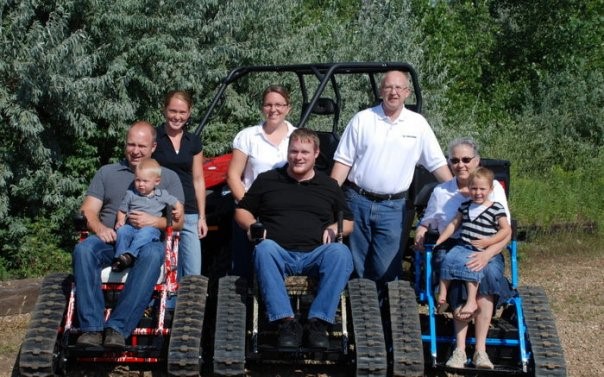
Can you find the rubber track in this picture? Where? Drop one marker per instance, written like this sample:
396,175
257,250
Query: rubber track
229,340
184,351
545,344
37,351
407,348
371,357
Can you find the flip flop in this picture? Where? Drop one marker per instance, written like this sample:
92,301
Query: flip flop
441,308
457,313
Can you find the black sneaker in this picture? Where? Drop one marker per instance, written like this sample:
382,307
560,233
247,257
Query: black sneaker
290,334
114,339
317,333
90,339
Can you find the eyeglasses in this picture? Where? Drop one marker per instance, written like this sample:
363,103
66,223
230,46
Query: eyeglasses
277,106
465,160
398,89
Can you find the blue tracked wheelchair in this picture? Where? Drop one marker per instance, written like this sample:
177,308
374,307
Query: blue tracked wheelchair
522,337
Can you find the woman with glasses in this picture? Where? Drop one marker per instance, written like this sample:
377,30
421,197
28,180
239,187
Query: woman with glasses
257,149
494,288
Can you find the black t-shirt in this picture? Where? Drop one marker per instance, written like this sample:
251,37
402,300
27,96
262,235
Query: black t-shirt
181,162
294,213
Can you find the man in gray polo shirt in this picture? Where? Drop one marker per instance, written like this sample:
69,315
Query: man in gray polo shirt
100,206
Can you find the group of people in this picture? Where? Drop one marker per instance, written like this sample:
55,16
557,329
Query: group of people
273,181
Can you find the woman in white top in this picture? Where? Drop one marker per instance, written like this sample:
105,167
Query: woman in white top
257,149
494,287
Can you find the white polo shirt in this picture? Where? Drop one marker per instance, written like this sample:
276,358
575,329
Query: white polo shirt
262,155
446,199
383,154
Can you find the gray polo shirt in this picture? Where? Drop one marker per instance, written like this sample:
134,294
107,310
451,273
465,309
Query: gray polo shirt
111,182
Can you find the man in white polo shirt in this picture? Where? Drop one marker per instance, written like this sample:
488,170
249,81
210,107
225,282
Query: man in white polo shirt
374,163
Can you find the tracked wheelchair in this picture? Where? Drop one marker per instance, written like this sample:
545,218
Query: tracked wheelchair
522,338
167,337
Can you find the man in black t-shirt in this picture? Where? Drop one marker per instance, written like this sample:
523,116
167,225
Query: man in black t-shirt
298,207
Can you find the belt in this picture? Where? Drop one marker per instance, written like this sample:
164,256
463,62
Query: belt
376,197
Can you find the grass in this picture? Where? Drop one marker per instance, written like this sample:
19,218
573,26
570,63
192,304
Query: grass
559,199
571,245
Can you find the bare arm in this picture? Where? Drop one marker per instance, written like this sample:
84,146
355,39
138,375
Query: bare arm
91,208
504,233
339,172
121,219
200,194
236,167
443,174
449,229
244,219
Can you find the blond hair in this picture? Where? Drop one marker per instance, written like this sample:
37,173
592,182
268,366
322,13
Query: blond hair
483,173
151,166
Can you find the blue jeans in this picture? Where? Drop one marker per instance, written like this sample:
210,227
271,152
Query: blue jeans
376,238
131,239
189,248
89,258
454,265
331,263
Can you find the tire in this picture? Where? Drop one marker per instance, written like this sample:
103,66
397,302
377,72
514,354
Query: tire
184,350
370,346
548,356
407,348
229,339
40,353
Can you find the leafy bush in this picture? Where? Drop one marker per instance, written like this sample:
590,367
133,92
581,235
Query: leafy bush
31,248
561,125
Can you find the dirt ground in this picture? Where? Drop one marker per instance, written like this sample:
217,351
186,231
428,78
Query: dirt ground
570,278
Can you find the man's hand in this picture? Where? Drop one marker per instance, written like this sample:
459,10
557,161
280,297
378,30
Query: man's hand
106,234
329,236
141,219
178,213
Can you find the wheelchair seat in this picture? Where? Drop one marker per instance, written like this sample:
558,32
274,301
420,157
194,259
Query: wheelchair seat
111,277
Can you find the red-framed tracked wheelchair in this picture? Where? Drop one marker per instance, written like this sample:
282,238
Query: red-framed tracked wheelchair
167,337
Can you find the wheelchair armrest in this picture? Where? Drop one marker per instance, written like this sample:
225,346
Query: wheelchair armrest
79,222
